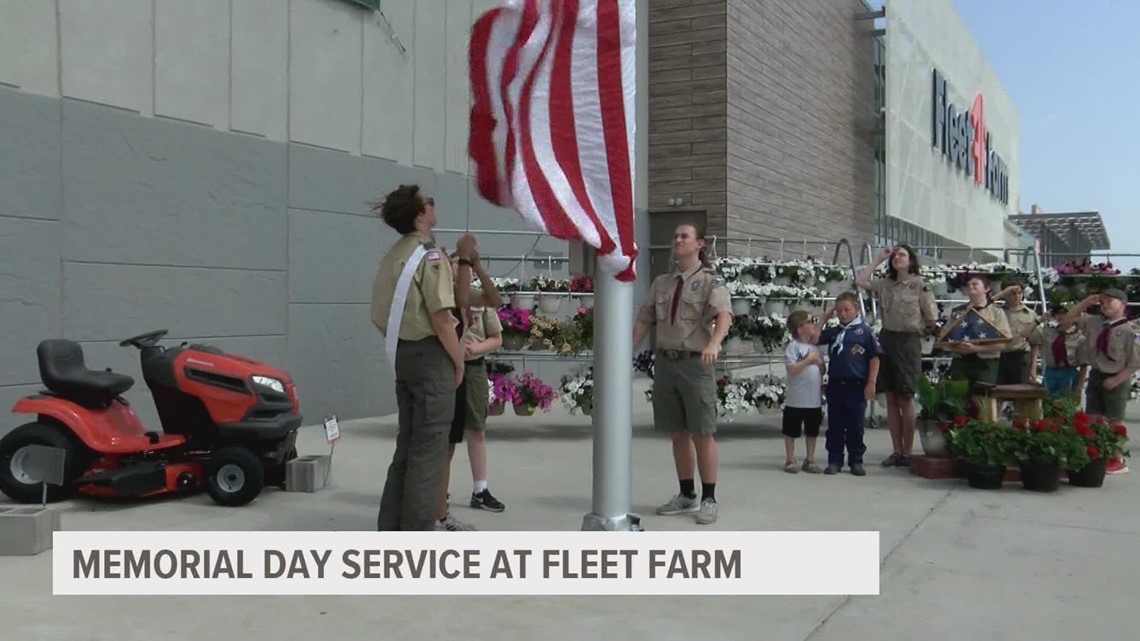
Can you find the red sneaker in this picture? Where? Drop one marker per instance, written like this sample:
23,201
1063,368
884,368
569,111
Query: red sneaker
1116,466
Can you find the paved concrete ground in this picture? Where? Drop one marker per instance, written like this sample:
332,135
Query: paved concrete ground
957,563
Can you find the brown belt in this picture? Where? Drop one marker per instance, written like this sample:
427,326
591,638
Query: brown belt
677,354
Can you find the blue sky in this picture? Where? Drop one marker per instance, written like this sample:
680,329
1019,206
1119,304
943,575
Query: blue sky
1072,70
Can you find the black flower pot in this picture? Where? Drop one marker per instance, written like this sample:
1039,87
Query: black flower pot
985,477
1091,475
1040,477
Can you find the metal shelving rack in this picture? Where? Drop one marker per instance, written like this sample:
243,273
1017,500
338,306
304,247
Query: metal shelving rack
728,363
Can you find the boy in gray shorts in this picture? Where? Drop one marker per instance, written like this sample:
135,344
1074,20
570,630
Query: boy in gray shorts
803,409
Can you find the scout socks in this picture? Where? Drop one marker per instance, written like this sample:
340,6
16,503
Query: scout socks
708,492
688,489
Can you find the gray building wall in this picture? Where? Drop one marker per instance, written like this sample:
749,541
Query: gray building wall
757,121
688,91
113,224
800,80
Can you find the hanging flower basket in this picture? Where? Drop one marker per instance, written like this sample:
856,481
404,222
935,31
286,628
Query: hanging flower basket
514,342
522,301
549,303
741,306
585,300
524,410
495,408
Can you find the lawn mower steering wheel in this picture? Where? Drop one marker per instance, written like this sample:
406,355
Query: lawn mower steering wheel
148,339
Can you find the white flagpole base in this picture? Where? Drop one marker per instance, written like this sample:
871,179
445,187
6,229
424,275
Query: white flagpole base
613,408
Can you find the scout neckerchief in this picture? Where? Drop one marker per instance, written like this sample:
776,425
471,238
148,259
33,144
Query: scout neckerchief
1102,340
837,346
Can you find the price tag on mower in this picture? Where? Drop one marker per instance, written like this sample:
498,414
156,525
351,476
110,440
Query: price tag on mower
332,429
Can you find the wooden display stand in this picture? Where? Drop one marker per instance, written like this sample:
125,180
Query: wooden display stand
1026,399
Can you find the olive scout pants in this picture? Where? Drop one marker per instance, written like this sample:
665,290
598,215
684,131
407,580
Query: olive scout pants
425,396
1109,402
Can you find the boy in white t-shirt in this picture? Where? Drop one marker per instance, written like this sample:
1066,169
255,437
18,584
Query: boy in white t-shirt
803,409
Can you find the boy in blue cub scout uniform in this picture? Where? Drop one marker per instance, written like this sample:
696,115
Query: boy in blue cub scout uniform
853,371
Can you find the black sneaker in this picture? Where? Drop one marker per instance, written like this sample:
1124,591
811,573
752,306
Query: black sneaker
904,461
484,501
857,469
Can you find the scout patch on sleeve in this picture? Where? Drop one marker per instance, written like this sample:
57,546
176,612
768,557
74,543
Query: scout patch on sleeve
432,255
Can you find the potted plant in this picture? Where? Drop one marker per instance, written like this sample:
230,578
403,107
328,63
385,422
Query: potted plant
499,386
583,288
577,391
1043,448
549,290
530,394
1101,438
516,324
986,447
941,403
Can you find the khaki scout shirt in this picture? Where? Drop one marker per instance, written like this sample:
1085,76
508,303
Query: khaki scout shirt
996,317
1019,318
1074,346
907,303
432,287
1123,345
483,325
704,295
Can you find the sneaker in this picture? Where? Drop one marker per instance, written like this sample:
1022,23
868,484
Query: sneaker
903,461
679,505
485,501
790,467
1116,466
708,512
857,469
452,524
893,460
832,469
811,468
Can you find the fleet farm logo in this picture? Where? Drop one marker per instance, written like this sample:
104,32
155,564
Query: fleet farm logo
964,140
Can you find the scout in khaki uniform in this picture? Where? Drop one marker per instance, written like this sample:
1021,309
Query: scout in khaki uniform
1113,350
1062,352
979,363
691,312
413,296
1018,363
483,334
908,312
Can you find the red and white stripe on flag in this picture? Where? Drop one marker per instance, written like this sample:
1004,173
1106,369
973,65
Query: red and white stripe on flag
553,119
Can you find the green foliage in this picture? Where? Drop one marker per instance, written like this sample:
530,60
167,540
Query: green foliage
1048,441
944,401
982,443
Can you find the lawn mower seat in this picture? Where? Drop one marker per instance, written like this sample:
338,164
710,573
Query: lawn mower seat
64,372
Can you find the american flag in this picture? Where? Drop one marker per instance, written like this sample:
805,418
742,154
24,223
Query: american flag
553,116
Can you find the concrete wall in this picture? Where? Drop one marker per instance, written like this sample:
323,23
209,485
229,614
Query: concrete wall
800,79
329,73
160,172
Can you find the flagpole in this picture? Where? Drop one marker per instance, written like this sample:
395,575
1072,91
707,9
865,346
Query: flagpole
613,408
613,345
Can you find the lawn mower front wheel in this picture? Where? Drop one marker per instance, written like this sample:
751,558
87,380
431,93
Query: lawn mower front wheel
234,476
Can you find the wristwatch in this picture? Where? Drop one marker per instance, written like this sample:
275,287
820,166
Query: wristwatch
466,261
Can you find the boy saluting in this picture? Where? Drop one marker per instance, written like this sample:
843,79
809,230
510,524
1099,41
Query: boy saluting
853,372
